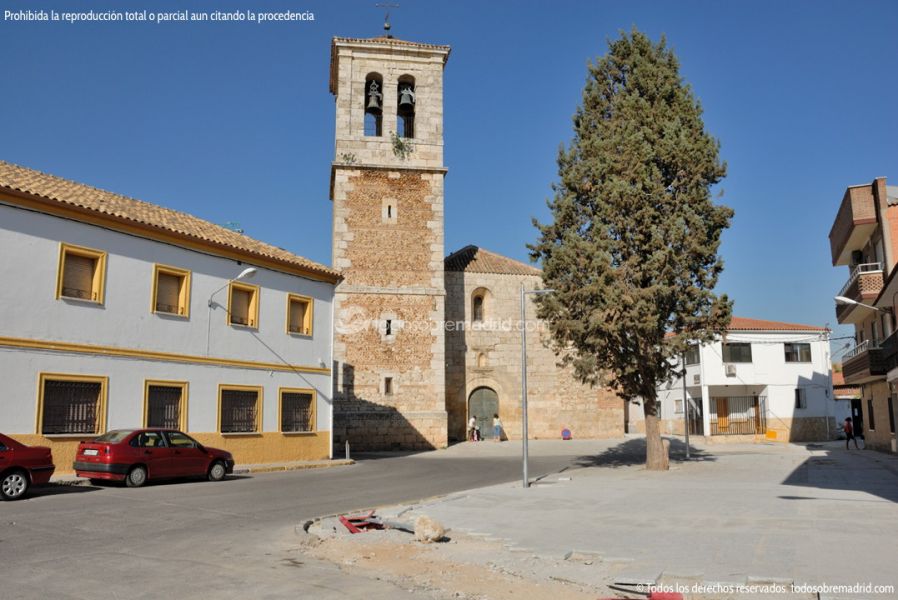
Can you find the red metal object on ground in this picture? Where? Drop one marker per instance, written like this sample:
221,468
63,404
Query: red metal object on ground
360,524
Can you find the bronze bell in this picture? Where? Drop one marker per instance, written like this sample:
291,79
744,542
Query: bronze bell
374,97
406,97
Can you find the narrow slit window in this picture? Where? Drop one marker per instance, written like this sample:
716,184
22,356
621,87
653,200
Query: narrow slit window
389,327
388,386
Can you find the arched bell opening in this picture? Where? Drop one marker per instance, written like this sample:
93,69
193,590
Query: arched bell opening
405,106
374,104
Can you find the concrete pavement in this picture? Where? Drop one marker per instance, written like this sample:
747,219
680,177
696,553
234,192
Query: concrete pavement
736,513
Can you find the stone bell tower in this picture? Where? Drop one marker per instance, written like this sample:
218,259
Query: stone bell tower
387,188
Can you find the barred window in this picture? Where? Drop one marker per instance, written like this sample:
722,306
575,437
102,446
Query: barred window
297,411
164,406
70,406
239,411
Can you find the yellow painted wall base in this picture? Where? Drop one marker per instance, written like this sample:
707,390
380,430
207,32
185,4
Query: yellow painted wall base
260,448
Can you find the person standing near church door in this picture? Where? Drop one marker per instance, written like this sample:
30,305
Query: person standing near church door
497,428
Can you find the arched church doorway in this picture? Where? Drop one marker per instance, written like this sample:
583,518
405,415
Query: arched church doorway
483,404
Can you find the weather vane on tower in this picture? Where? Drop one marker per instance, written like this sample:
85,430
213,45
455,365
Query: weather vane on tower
387,6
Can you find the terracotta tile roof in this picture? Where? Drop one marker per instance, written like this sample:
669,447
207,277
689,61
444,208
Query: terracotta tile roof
382,41
744,324
113,207
472,259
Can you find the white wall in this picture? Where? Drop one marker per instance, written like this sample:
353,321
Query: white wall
767,375
21,369
29,256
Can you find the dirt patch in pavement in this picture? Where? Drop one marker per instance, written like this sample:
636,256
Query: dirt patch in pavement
460,567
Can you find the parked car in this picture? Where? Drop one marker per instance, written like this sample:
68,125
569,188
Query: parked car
22,466
137,455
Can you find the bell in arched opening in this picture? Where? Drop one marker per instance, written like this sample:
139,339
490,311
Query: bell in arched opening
375,97
406,97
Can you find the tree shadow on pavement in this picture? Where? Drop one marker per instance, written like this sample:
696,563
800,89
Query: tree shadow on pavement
848,470
632,453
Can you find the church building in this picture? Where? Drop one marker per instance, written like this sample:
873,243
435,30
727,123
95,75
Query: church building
422,343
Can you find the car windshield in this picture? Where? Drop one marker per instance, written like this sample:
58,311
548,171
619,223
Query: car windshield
114,437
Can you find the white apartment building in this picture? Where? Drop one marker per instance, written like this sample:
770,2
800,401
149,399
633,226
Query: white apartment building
118,313
762,379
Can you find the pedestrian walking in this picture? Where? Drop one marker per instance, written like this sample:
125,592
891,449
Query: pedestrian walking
849,433
497,428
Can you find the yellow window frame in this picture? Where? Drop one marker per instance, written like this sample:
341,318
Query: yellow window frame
98,283
253,309
182,409
260,403
183,292
101,401
313,418
309,319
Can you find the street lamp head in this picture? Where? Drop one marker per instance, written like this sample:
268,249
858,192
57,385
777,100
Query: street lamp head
844,300
248,273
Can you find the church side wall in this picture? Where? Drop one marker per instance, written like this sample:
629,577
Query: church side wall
556,400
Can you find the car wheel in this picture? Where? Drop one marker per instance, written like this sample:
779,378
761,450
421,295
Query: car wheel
217,471
136,477
14,485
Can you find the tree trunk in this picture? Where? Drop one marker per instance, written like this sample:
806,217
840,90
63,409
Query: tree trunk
656,458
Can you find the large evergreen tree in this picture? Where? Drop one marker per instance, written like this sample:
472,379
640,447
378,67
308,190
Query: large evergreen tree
632,249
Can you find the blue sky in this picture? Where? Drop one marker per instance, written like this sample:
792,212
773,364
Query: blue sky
234,122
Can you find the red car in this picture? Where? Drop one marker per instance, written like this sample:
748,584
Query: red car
22,466
136,455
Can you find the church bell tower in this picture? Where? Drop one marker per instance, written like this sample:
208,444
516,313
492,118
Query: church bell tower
387,189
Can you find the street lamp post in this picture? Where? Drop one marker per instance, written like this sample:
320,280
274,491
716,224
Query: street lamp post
524,434
685,408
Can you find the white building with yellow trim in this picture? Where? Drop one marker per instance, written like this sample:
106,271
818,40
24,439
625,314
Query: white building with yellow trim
118,313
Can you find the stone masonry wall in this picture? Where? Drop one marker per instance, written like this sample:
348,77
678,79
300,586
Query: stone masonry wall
392,272
388,243
555,398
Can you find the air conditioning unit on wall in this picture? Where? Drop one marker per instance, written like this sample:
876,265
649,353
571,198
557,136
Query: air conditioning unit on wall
731,370
696,379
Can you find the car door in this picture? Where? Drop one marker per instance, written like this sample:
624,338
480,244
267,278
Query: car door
154,452
5,455
188,459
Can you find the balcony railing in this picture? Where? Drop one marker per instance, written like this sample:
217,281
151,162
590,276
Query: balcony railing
865,362
856,351
863,285
859,272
